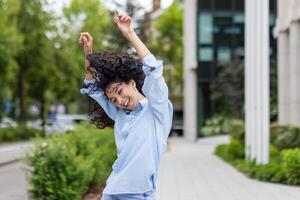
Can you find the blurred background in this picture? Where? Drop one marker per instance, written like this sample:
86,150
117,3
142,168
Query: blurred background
42,62
48,150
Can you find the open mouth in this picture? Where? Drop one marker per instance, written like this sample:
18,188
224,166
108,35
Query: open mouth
126,103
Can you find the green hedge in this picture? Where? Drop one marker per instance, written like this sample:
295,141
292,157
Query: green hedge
232,151
214,126
218,125
68,166
285,137
19,133
291,165
284,166
282,137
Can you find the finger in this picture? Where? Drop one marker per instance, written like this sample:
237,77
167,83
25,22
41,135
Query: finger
81,39
116,20
84,39
123,17
127,18
120,16
87,35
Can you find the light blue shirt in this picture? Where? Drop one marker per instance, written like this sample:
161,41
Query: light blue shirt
140,136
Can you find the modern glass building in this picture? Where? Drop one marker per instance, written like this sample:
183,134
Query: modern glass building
219,40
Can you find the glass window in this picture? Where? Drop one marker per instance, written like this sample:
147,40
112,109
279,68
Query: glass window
223,22
232,30
239,51
223,5
206,54
223,54
205,28
204,4
273,5
239,18
272,20
239,5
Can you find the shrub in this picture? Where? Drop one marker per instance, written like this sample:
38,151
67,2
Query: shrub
285,137
232,151
219,125
266,172
66,167
214,126
236,129
274,171
291,164
19,133
58,172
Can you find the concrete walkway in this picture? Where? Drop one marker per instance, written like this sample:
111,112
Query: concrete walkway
190,171
11,152
13,185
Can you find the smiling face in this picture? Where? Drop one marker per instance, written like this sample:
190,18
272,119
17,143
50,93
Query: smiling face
124,95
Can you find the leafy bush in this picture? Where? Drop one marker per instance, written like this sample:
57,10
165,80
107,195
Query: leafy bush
285,137
66,167
218,125
284,167
232,151
19,133
266,172
214,126
291,164
236,129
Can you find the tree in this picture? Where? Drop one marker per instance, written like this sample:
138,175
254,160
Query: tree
10,41
34,59
227,89
169,46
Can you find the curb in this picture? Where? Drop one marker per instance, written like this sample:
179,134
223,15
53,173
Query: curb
10,162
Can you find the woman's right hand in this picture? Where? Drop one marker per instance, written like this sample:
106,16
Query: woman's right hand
87,41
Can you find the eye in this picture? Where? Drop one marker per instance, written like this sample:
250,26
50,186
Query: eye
119,92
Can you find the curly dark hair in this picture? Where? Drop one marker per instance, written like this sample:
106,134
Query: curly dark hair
109,67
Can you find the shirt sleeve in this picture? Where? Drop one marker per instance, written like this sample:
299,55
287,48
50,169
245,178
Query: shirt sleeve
99,96
156,91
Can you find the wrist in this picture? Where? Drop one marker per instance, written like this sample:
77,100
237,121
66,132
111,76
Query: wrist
130,35
87,49
87,52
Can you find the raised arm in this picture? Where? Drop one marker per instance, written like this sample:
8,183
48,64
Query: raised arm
155,88
87,40
125,24
110,109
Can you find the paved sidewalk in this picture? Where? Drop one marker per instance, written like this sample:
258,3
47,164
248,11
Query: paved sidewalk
13,185
190,171
11,152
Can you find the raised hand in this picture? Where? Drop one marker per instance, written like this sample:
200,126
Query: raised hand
87,40
124,23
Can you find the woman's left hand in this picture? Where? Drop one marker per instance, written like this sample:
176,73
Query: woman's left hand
125,23
87,40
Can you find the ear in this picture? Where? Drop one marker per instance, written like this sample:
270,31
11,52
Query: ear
132,83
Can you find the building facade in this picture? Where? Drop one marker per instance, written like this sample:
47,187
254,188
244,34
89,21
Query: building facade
213,36
287,31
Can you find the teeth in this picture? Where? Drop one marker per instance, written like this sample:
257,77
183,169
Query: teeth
126,103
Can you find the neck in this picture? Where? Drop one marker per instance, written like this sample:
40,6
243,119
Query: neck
140,97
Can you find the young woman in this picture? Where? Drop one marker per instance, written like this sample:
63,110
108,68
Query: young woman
131,96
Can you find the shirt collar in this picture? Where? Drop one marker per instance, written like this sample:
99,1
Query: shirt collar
141,105
143,102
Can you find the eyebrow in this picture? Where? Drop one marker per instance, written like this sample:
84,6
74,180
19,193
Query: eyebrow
115,89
